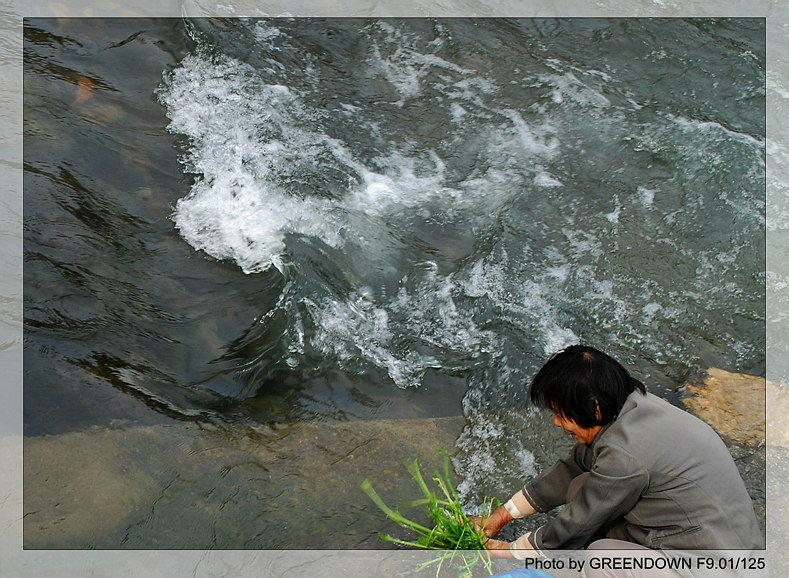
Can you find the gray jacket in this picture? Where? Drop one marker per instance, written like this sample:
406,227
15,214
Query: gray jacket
660,475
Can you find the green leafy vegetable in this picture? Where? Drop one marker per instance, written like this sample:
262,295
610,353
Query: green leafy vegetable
452,530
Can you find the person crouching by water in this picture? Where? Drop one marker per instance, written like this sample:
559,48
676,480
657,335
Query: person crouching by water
644,475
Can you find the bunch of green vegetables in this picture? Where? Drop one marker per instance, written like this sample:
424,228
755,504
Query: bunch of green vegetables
451,531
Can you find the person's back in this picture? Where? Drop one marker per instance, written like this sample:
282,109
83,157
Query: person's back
644,476
695,497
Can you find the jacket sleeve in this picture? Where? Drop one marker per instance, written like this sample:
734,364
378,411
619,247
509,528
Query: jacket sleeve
549,489
615,483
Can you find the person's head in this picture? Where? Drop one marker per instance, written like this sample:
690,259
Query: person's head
583,385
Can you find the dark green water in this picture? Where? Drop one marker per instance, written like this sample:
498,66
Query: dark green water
293,219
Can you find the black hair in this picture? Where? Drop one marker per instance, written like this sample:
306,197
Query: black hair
583,384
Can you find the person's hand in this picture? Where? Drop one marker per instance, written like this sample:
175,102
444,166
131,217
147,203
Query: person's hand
498,549
491,525
478,522
501,549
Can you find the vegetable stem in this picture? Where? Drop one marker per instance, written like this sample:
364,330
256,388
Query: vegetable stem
452,530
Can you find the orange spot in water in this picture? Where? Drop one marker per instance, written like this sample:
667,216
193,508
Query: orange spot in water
84,89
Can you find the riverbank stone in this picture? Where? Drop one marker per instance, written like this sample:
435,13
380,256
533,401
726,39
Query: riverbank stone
732,403
198,486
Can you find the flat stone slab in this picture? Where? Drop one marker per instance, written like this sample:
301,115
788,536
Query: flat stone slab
190,486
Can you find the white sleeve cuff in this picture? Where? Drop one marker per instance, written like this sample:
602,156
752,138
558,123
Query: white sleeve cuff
521,548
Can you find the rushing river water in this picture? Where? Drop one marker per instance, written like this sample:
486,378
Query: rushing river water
280,220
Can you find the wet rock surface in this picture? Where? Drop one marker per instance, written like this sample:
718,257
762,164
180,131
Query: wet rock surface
732,403
198,487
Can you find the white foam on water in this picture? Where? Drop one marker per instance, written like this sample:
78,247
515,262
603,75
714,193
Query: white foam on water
568,88
419,329
254,145
356,333
747,202
481,432
650,310
265,32
242,131
646,195
778,296
693,125
406,183
613,216
582,244
263,155
546,180
519,298
539,140
494,462
254,142
405,66
248,141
